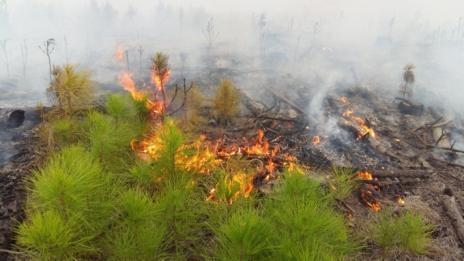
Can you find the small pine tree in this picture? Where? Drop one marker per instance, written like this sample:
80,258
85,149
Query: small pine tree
226,102
70,89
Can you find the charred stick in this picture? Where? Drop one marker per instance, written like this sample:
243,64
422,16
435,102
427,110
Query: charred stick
452,209
401,174
288,102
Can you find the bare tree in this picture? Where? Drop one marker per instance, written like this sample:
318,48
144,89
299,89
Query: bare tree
48,48
210,33
24,56
66,50
5,55
408,81
140,52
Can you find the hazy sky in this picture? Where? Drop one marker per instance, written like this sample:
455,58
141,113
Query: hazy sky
326,35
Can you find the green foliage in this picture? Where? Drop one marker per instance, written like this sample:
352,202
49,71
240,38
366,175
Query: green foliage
69,205
110,141
71,89
407,232
66,131
308,228
341,182
139,231
226,102
120,107
49,236
246,236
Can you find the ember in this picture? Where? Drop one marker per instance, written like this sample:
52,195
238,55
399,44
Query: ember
316,140
364,175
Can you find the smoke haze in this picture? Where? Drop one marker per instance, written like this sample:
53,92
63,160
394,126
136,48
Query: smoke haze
326,44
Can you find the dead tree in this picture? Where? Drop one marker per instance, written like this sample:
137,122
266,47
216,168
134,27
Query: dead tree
48,48
408,81
210,33
5,55
140,52
24,56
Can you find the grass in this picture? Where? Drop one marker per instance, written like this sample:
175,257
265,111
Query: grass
407,232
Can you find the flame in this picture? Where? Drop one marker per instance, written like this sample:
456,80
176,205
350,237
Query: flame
261,147
119,55
232,188
400,200
344,100
368,198
125,79
364,129
160,79
316,140
364,175
348,113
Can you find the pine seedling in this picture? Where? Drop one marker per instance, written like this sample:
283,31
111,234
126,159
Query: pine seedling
120,107
226,102
138,232
307,226
109,142
49,236
407,232
71,89
245,236
341,182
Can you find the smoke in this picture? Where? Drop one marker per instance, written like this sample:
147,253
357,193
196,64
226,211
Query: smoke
324,43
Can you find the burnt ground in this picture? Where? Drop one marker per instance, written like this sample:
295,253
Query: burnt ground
412,156
19,155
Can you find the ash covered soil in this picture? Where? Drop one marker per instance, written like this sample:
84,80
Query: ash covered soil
19,155
412,156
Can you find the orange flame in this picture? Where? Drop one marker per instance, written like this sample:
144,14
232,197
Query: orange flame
344,100
316,140
400,200
125,79
364,175
364,129
159,80
119,55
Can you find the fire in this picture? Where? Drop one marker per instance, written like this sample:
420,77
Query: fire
261,147
364,175
344,100
348,113
363,126
400,200
231,188
316,140
119,55
125,79
160,79
367,196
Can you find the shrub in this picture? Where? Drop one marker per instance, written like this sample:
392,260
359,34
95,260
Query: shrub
226,102
70,89
407,232
66,131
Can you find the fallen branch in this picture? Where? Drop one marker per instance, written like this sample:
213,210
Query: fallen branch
452,209
288,102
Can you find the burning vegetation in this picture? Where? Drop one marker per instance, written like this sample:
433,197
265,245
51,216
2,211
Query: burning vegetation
168,172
